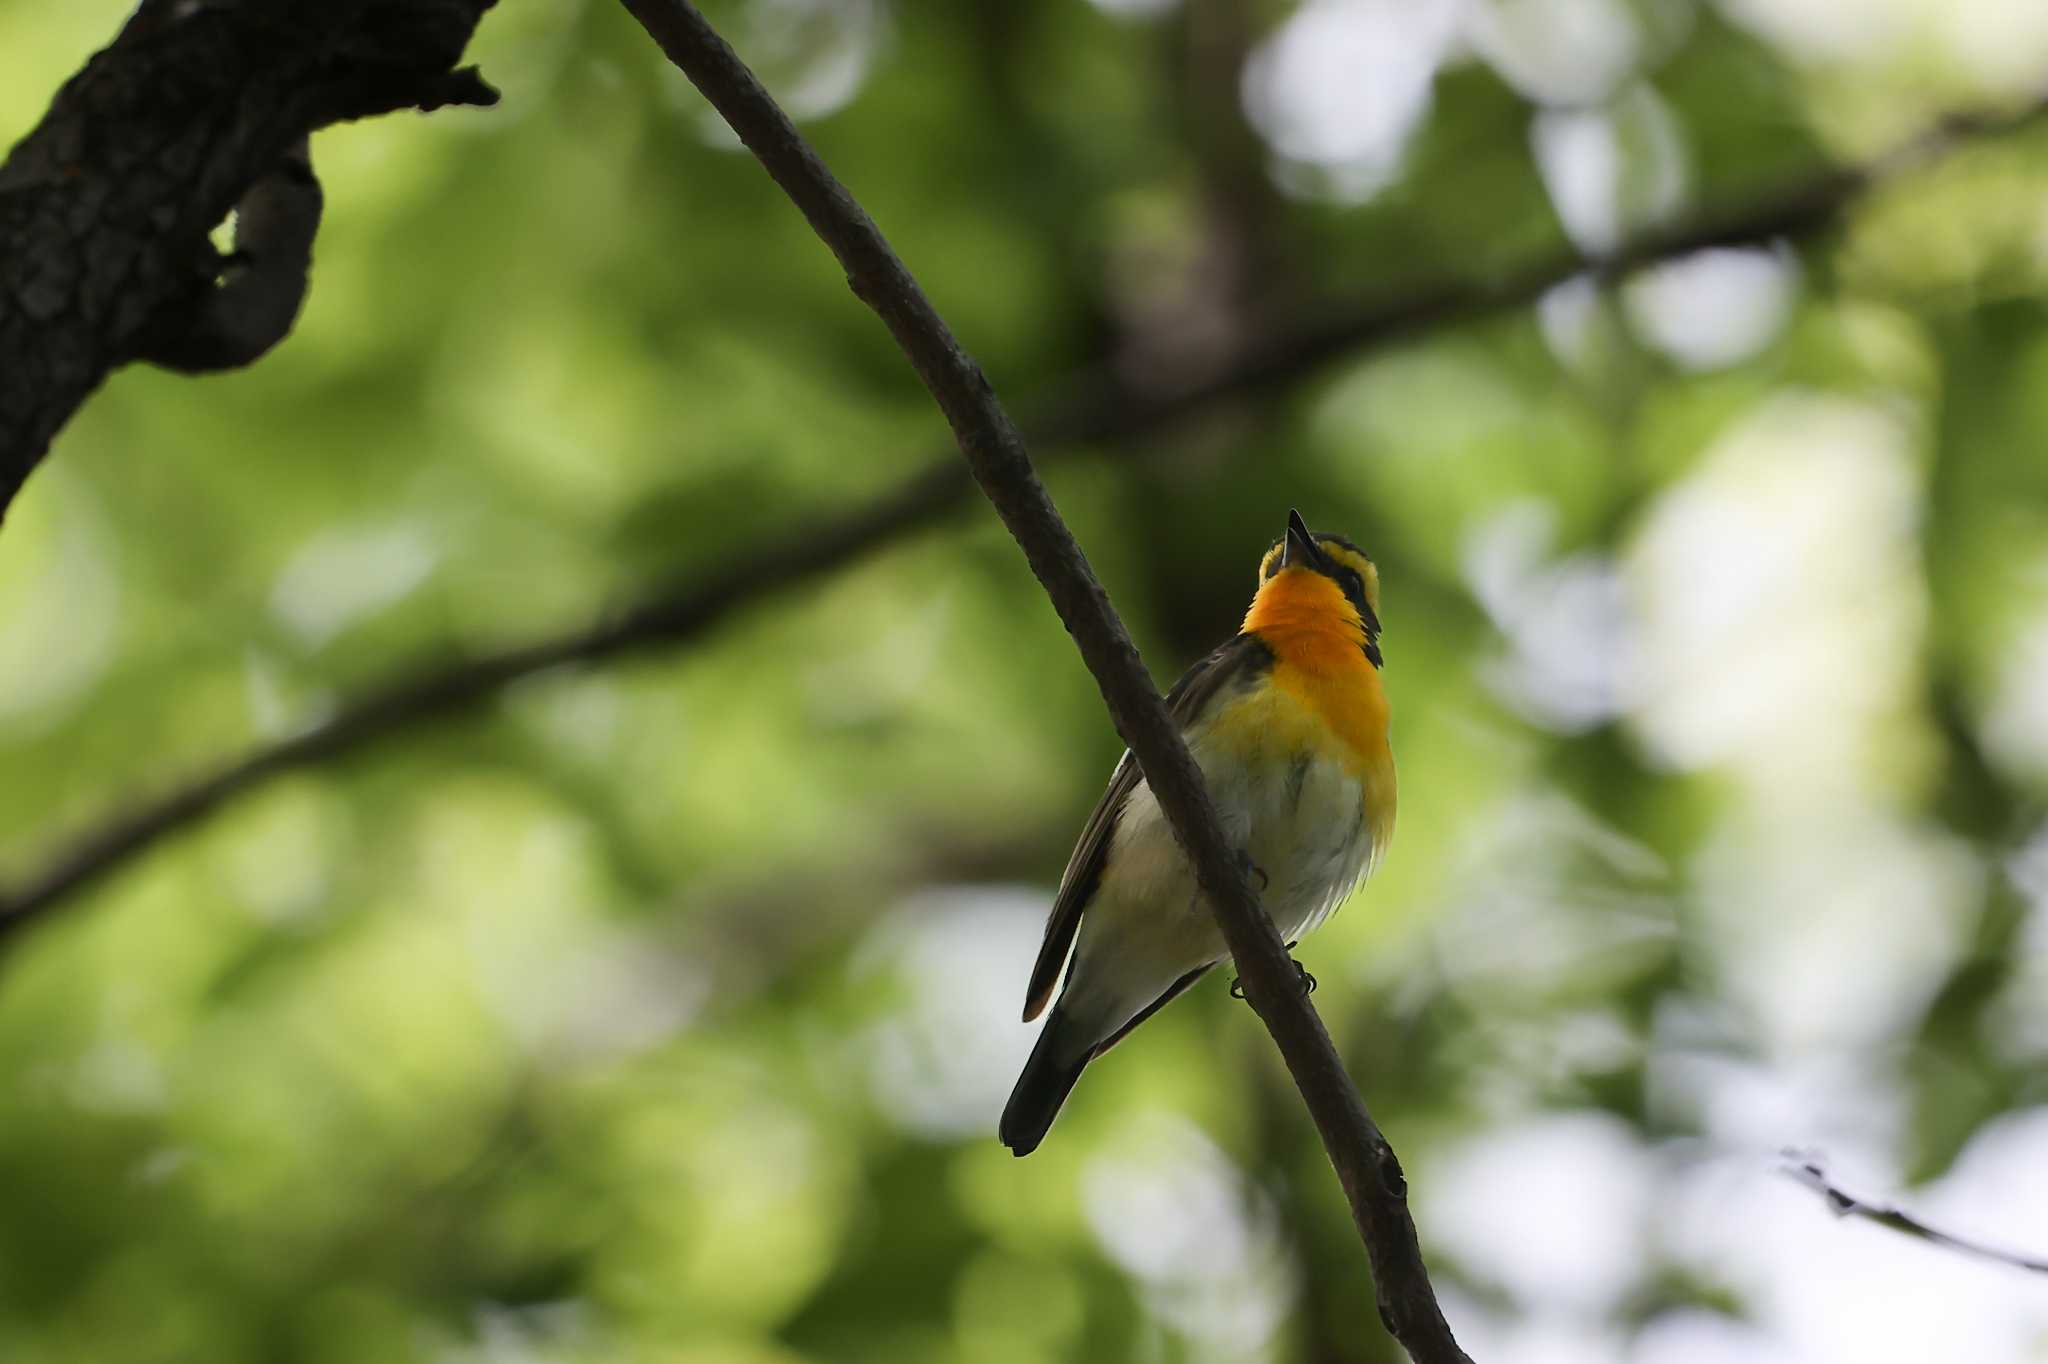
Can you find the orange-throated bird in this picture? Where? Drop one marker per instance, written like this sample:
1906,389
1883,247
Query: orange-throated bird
1289,726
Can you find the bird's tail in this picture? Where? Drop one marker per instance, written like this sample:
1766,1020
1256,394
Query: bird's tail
1056,1063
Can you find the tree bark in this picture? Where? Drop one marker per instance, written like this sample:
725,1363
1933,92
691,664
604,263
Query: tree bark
106,207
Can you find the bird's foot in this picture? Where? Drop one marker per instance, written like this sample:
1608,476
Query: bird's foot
1252,868
1308,981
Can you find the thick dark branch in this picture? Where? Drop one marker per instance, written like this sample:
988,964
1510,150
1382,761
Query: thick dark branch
196,107
1809,1172
995,453
265,281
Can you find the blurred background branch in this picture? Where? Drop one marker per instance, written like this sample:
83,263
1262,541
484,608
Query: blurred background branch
1813,1175
1096,408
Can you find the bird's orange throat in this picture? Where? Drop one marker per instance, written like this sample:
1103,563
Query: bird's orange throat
1318,644
1309,623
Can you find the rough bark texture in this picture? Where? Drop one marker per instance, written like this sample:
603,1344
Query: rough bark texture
105,207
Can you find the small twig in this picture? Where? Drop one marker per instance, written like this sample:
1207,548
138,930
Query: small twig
995,452
1093,409
1808,1171
422,92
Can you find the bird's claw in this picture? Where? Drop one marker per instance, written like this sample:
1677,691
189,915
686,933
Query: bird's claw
1252,868
1308,981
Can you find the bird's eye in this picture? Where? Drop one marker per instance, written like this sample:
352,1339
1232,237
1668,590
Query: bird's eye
1354,588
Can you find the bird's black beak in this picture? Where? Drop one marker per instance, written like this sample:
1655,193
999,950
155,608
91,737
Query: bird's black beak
1299,549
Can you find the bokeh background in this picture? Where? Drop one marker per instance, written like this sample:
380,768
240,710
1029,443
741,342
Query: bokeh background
661,1010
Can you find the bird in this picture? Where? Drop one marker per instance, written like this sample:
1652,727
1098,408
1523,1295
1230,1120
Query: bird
1289,725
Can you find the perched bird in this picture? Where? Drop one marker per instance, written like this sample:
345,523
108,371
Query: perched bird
1289,726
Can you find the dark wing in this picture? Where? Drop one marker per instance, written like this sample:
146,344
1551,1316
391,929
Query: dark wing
1244,657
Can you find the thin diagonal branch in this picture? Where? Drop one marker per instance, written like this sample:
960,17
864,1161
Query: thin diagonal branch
1092,409
995,452
1809,1172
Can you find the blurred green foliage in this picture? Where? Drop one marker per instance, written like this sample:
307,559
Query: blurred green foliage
661,1011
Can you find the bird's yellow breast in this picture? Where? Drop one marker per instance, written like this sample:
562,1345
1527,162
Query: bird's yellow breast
1301,769
1322,696
1295,754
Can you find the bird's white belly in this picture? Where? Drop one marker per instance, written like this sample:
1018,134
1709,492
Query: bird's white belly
1303,825
1313,847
